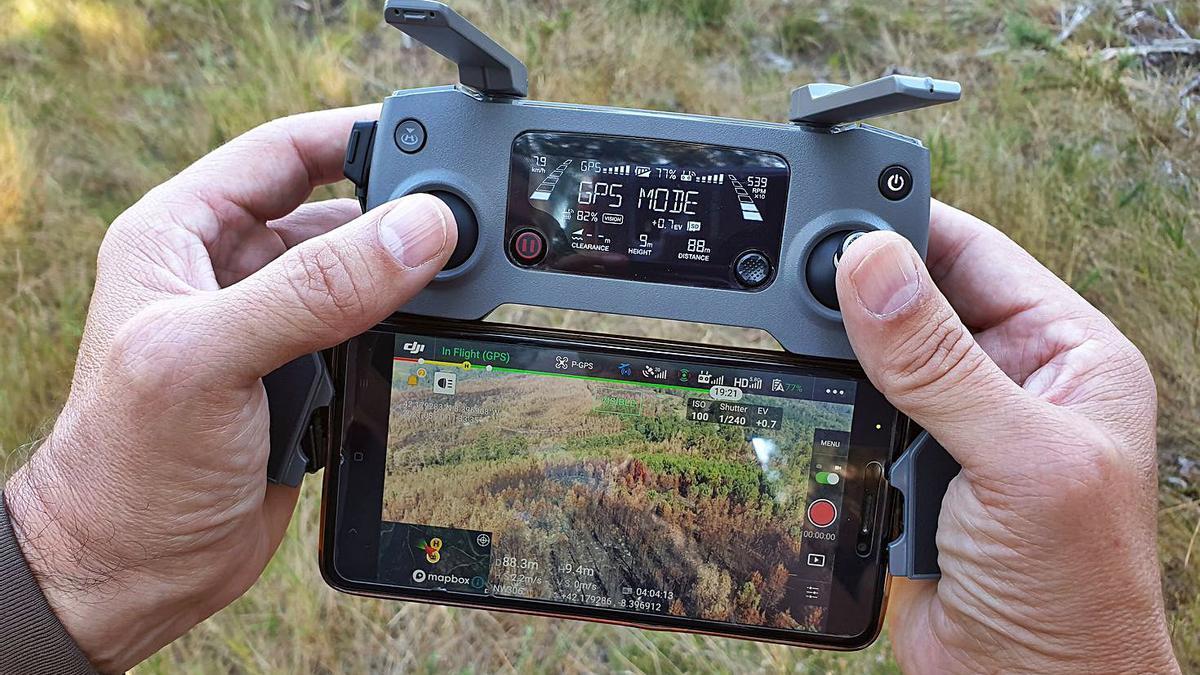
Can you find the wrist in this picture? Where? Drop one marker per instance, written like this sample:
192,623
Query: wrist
97,596
32,638
1146,651
1138,641
1142,653
54,557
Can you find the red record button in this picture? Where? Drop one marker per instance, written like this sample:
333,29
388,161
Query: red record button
822,513
528,247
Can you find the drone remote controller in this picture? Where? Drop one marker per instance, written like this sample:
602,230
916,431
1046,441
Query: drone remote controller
653,214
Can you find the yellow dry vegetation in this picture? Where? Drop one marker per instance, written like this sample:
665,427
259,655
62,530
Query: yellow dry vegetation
15,174
1092,165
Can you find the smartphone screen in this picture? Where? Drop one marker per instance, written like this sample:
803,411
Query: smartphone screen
673,486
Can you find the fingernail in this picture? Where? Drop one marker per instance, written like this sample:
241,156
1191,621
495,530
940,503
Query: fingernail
886,280
414,231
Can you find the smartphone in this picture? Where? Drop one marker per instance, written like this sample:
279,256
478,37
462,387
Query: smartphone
663,485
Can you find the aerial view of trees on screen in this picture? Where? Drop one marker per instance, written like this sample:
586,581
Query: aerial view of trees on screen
613,483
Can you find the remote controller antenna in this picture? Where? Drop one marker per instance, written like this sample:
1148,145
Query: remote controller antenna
830,104
483,65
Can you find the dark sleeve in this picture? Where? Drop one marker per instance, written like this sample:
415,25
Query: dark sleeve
32,639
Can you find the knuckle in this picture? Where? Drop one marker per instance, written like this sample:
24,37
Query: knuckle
1132,362
1110,378
112,247
1091,469
1076,473
124,233
1126,390
161,218
935,357
151,353
275,135
269,132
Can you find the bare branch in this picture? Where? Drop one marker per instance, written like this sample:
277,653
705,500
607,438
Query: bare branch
1175,24
1081,13
1182,46
1190,88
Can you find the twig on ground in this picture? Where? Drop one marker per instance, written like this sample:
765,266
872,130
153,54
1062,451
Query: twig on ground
1190,88
1183,119
1177,507
1134,18
1187,558
1081,13
1183,46
1175,24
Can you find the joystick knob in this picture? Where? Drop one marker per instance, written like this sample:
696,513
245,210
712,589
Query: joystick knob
850,239
823,262
468,227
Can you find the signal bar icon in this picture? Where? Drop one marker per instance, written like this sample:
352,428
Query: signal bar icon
716,179
622,170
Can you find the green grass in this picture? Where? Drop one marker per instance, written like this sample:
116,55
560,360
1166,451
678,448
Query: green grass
1085,163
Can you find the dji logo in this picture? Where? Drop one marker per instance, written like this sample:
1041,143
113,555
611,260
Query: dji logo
414,347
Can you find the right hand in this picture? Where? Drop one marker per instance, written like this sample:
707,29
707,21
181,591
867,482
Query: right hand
1046,538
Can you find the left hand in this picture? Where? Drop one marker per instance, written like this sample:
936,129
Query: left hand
147,509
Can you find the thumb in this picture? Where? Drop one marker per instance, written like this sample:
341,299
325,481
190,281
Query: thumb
918,353
335,286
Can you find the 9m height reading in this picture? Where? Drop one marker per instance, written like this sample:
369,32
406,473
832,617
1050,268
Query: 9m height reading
644,209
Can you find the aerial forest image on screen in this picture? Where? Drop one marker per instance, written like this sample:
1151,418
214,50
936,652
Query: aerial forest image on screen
626,495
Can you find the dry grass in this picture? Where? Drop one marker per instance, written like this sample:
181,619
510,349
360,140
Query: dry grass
1085,163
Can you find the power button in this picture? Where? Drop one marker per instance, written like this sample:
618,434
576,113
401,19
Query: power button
895,182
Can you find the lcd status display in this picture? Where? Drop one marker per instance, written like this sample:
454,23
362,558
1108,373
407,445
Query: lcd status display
644,209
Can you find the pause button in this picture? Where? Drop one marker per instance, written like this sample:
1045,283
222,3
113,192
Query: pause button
528,247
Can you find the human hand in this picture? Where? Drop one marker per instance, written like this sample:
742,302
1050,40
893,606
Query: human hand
147,509
1046,539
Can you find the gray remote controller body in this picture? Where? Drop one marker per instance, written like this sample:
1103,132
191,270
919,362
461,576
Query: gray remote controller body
518,175
833,188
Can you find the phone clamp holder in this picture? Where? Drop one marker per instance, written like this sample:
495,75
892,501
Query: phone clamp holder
921,474
297,395
766,261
